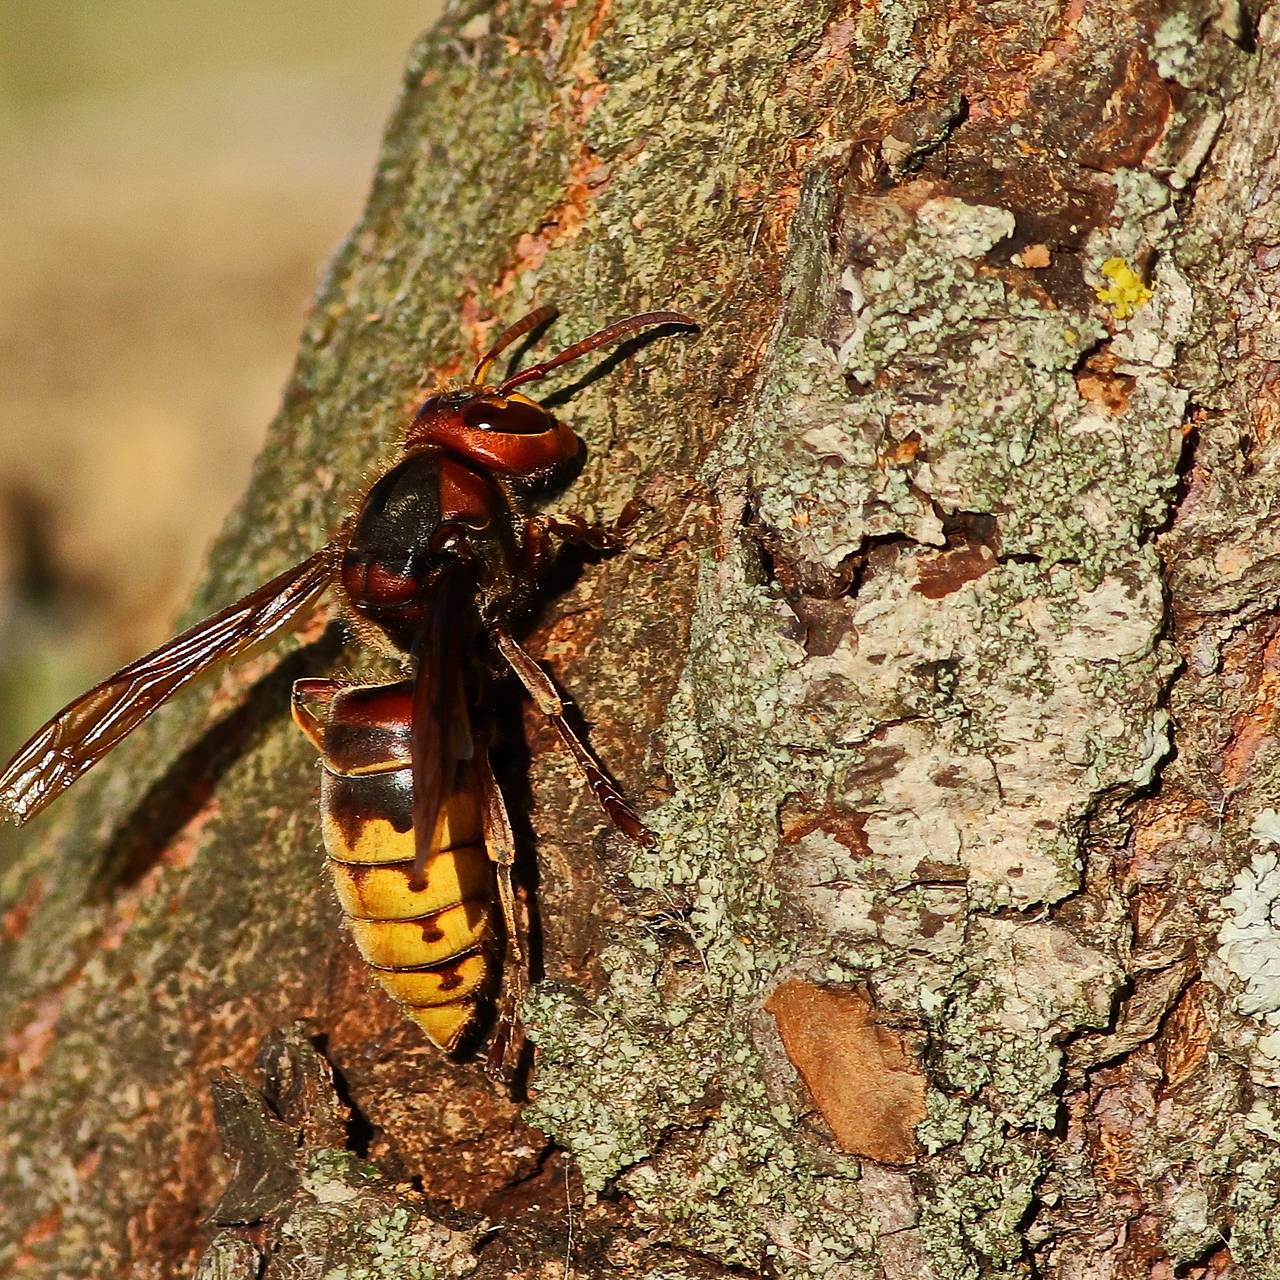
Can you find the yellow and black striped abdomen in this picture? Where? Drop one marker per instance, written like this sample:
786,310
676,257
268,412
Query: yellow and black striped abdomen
429,946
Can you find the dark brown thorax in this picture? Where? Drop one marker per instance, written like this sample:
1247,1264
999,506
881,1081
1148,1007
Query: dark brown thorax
449,507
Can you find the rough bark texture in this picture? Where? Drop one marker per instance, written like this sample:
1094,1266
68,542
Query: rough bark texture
945,668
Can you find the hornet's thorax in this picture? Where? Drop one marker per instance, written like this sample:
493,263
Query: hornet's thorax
450,504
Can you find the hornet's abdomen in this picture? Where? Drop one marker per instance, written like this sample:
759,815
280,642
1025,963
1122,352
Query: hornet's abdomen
429,946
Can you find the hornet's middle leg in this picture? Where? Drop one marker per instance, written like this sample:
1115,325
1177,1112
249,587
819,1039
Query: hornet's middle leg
548,701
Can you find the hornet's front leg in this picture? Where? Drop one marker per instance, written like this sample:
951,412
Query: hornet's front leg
541,529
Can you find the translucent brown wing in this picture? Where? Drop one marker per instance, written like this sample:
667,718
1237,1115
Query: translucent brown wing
440,734
86,729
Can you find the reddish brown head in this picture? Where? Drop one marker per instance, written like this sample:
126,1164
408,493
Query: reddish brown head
503,431
507,435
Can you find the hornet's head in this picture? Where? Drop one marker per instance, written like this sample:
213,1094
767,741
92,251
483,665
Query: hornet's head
509,435
503,431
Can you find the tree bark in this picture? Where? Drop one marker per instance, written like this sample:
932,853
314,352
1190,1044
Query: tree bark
944,668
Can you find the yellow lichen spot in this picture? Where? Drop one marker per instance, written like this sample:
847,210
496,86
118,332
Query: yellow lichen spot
1127,291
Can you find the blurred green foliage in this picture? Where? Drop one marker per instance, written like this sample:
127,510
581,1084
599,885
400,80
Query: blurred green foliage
74,48
173,177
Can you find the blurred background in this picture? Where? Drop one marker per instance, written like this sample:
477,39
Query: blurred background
172,180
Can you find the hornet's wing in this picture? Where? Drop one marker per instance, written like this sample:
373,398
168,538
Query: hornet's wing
86,729
440,734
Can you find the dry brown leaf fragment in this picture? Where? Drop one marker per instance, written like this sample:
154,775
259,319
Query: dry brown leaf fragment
861,1073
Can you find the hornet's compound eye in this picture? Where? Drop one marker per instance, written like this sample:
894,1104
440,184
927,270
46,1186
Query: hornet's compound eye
508,417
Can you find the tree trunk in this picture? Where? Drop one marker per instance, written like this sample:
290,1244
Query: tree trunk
944,667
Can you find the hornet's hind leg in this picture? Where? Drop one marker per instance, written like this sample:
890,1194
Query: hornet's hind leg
549,702
508,1039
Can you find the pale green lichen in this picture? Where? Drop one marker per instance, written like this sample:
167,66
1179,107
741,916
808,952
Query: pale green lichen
946,1120
1002,418
1255,1166
332,1175
752,1191
722,1171
1255,1232
979,1198
968,713
346,1224
891,27
1030,985
677,1113
674,1037
228,1257
1174,46
1249,941
815,438
645,1036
